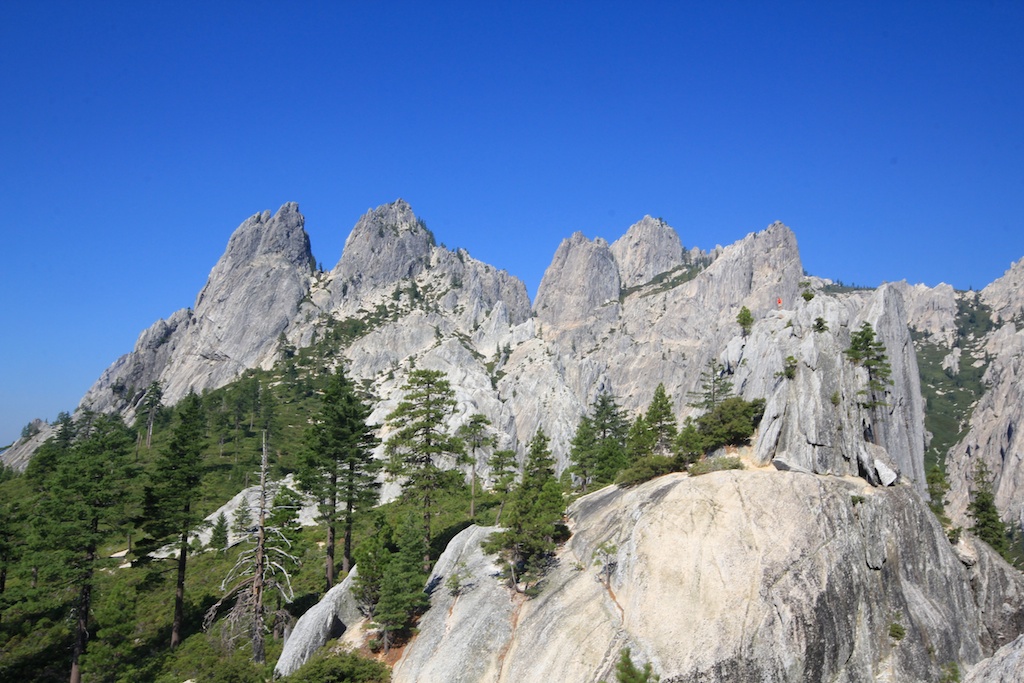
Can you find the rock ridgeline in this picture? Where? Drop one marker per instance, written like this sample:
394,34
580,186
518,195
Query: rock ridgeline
616,318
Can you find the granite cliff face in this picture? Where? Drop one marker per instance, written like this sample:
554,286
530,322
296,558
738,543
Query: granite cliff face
726,577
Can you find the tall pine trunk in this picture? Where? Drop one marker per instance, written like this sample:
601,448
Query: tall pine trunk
331,534
179,590
82,621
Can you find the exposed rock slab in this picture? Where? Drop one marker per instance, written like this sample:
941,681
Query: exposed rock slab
728,577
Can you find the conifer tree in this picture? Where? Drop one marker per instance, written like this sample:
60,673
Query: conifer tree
401,587
599,445
503,474
475,437
639,441
988,526
172,491
85,494
715,387
419,439
535,510
152,402
660,420
338,468
745,320
219,533
868,351
627,672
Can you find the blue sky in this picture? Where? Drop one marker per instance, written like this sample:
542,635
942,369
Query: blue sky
134,137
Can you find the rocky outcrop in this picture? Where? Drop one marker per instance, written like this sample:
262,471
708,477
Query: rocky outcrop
249,299
723,577
1005,666
582,283
994,435
330,618
650,247
1003,296
388,244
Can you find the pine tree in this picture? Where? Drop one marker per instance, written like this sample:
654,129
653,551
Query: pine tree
988,526
401,588
639,440
338,468
745,320
715,387
535,511
503,474
599,445
85,495
219,533
661,421
152,402
419,439
172,491
626,671
868,351
475,436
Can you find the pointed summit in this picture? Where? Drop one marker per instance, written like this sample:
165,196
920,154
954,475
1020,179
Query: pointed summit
387,244
648,248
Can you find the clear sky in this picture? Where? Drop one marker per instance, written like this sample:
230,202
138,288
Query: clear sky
134,137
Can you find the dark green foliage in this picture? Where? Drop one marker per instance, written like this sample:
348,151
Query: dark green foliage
988,526
820,325
401,587
419,440
170,496
730,423
85,495
219,533
110,650
897,631
715,387
341,667
534,517
660,421
627,672
646,468
599,445
868,351
503,476
789,368
639,440
338,468
745,320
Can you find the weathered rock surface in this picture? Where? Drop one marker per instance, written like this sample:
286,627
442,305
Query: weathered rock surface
752,575
649,248
330,618
1003,296
1005,666
250,297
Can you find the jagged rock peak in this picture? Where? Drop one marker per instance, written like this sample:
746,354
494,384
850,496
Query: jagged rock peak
1004,294
582,280
283,235
387,244
648,248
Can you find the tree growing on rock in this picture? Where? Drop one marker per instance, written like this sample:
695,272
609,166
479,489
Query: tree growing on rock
715,387
988,526
534,517
599,445
745,320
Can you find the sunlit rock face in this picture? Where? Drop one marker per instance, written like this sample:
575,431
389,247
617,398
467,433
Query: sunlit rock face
755,575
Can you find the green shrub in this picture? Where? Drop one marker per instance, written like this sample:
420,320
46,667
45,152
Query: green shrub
723,462
644,469
896,631
341,667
